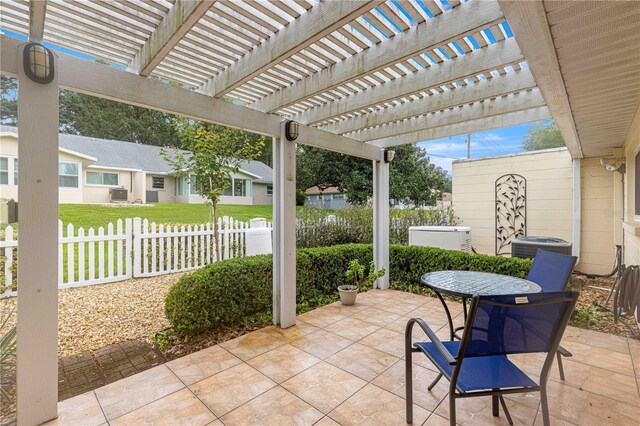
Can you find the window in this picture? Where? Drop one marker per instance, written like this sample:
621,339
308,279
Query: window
4,171
67,175
338,196
15,171
192,185
270,190
241,187
157,183
100,178
228,191
181,185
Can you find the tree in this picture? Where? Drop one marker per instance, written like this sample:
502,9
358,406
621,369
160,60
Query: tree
8,100
210,161
543,136
412,176
102,118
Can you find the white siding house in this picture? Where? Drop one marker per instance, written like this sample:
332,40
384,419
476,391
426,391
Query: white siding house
90,169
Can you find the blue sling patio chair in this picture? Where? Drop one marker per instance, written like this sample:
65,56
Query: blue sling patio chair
551,271
496,326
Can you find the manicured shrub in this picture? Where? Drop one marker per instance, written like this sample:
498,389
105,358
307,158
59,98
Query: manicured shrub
233,291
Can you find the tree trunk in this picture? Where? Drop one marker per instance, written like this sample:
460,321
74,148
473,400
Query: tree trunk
216,231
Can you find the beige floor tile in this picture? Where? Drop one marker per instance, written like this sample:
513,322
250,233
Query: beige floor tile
283,362
634,348
202,364
82,409
321,344
253,344
324,386
376,316
397,307
322,318
393,380
477,411
129,394
337,308
581,407
362,361
386,340
352,328
277,407
179,408
597,339
375,406
554,421
436,420
231,388
326,421
288,334
609,360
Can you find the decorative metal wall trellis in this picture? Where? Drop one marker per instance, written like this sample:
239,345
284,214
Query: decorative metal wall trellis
511,211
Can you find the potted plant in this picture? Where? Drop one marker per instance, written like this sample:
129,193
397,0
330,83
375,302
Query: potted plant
357,280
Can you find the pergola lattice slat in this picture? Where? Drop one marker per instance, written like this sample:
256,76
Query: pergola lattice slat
428,35
310,27
176,24
479,61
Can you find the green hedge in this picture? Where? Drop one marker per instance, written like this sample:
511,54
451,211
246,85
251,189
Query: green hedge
234,291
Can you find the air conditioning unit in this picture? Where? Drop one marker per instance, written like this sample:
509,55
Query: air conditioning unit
527,247
118,194
444,237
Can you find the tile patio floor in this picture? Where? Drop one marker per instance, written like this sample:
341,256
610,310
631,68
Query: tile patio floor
342,365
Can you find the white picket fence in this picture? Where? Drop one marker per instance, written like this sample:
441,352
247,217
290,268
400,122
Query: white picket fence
128,249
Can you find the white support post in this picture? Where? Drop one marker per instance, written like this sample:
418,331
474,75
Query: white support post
381,220
37,352
284,232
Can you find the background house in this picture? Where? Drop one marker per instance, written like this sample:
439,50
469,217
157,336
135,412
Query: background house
102,171
330,198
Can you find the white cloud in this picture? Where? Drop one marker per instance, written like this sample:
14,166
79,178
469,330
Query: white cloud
446,146
444,163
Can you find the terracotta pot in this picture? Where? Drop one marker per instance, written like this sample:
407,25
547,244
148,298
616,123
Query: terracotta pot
348,294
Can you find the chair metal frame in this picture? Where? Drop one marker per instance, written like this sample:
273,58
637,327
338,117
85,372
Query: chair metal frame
562,352
456,362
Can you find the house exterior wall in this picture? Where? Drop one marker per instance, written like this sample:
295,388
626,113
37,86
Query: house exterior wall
166,195
597,233
260,197
631,225
95,194
549,175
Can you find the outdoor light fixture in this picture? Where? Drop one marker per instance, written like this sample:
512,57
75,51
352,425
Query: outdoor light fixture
613,164
291,130
388,155
38,63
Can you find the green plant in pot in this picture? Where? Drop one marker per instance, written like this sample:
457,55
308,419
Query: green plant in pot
357,279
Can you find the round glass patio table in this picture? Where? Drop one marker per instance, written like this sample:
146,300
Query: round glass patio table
466,284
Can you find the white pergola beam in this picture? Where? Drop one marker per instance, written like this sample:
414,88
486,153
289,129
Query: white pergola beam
489,58
463,20
472,112
37,13
310,27
93,78
37,351
505,120
484,89
182,16
284,247
381,221
528,20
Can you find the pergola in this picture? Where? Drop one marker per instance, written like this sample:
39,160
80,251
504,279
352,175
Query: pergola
359,77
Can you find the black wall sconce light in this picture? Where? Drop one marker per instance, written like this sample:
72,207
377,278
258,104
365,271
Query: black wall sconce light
291,130
38,63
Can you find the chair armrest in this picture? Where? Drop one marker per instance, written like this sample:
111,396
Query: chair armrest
449,358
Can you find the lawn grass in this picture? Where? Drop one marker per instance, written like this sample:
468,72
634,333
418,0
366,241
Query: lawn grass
89,215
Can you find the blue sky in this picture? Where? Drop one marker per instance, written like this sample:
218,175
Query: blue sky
507,140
